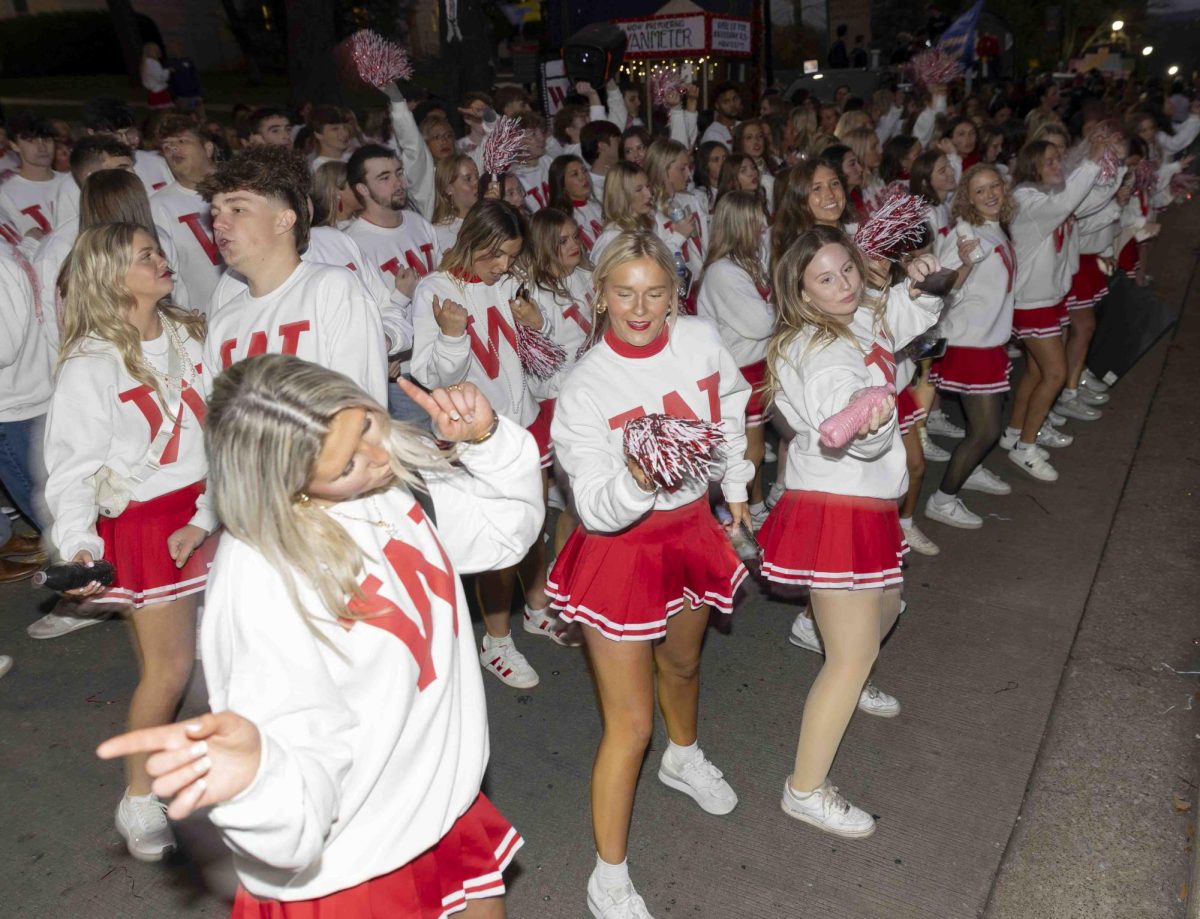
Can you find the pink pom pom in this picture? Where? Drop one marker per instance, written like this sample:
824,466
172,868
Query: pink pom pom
672,450
663,83
1110,165
935,68
1145,177
504,146
541,356
1183,186
378,61
838,430
900,220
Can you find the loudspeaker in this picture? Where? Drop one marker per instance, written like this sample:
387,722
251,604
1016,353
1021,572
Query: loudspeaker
594,53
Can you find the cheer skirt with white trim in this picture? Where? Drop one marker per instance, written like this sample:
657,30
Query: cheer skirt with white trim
972,370
1089,285
833,542
757,413
465,864
540,429
136,544
627,585
908,410
1041,321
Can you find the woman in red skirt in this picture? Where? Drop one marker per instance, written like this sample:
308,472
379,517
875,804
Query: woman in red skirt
349,736
127,419
647,562
836,531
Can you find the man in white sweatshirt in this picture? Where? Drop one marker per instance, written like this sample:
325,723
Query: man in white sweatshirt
27,196
320,313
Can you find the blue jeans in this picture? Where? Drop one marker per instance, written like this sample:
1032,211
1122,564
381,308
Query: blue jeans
402,408
23,471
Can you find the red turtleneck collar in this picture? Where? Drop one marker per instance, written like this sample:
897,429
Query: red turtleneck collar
625,349
466,277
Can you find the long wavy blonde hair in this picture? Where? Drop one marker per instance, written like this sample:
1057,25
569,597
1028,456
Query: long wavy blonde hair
96,301
659,157
736,233
797,316
268,417
445,173
618,197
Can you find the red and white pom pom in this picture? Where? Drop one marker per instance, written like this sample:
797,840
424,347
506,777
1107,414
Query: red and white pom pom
1110,164
540,355
1183,186
1145,177
664,83
27,267
899,221
504,146
378,61
672,450
935,68
838,430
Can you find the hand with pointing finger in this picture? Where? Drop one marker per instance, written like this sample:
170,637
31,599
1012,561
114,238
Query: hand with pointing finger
459,412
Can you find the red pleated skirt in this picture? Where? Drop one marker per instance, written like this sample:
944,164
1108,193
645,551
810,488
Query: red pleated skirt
1041,321
136,544
908,410
835,542
757,413
540,429
466,864
972,370
1089,285
627,585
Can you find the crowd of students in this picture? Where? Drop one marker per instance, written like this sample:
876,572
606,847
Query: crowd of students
285,382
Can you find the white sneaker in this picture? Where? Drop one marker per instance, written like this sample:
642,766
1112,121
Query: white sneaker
1054,419
773,496
1012,351
621,902
53,625
555,498
757,520
936,422
769,454
984,480
1077,409
874,701
541,622
1088,397
1093,382
1036,466
502,660
933,453
918,541
804,634
1049,436
827,810
954,514
6,663
701,781
1009,442
142,823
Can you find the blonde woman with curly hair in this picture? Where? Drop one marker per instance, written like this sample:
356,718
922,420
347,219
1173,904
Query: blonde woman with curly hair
125,457
681,216
348,740
836,531
646,563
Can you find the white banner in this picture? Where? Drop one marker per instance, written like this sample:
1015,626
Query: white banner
731,35
664,37
555,85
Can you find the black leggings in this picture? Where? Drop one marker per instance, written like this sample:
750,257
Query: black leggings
984,421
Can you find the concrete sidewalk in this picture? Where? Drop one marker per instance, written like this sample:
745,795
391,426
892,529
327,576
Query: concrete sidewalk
1030,666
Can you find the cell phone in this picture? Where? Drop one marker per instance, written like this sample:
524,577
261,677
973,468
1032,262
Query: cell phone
940,283
935,350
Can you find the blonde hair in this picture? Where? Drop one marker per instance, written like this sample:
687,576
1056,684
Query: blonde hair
850,121
859,140
445,174
327,181
618,197
267,421
629,246
736,233
962,208
797,316
96,300
658,160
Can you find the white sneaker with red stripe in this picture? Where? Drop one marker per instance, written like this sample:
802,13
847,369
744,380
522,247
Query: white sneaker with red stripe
500,658
541,622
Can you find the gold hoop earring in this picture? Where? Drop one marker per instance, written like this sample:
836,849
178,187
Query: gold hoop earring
303,500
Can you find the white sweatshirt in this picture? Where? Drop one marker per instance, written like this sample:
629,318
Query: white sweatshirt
29,205
413,244
687,373
569,321
186,218
683,128
26,358
535,179
486,354
65,206
101,416
447,233
1185,133
152,169
980,312
374,739
743,312
693,247
718,132
1098,231
590,218
1039,232
415,157
321,313
817,383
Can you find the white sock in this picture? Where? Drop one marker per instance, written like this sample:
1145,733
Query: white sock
683,755
799,795
1022,446
1013,432
491,642
905,522
940,499
758,508
609,875
1068,394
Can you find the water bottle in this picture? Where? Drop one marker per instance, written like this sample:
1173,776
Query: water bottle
74,575
965,231
683,276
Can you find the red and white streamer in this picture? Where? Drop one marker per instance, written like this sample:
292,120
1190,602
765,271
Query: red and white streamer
673,450
379,62
504,146
935,68
540,355
899,221
664,83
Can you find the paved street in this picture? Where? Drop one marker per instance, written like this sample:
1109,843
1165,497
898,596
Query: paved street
1043,766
